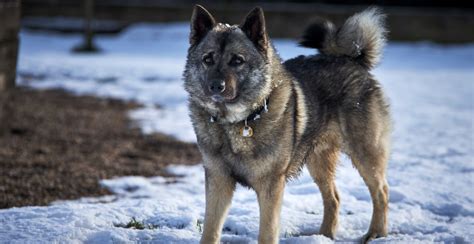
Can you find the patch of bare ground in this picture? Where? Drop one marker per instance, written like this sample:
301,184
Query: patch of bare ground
57,146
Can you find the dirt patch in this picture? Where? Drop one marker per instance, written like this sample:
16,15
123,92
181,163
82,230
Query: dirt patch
54,145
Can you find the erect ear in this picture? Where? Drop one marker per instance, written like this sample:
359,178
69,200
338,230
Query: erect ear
201,23
254,27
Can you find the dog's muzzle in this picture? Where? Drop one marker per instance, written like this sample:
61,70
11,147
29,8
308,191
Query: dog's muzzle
219,91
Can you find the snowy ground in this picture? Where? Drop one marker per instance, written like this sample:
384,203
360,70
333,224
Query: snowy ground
431,171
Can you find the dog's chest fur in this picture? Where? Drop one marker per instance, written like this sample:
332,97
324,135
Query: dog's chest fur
268,151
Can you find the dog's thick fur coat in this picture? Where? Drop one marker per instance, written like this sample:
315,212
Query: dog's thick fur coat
317,106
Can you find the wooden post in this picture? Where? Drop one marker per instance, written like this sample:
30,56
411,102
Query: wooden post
89,13
9,26
88,44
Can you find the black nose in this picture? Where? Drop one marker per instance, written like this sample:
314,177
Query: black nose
217,86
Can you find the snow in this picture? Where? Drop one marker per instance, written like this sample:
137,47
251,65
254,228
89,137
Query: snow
430,173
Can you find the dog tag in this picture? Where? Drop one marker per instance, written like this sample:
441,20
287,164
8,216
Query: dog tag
246,131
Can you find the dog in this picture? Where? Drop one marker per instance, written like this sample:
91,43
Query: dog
259,120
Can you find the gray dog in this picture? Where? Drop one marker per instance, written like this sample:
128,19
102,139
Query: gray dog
259,120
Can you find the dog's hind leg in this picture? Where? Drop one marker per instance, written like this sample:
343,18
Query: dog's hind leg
219,192
371,161
322,166
372,169
367,136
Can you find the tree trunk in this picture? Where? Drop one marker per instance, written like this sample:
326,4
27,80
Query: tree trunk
10,24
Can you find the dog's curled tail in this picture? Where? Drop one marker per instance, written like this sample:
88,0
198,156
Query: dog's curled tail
362,37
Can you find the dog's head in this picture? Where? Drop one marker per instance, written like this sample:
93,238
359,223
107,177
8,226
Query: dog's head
227,70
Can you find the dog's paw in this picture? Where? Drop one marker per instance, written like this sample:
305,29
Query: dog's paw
372,235
328,233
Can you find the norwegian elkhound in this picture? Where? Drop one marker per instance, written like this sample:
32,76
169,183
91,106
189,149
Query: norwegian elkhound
258,120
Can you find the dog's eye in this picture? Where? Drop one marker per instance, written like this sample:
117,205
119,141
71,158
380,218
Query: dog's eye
208,60
236,61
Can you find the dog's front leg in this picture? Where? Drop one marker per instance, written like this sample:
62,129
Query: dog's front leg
270,195
219,191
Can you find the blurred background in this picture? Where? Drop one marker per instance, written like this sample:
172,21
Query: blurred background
438,21
420,20
91,93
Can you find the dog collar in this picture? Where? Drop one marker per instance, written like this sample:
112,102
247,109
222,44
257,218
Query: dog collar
246,130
